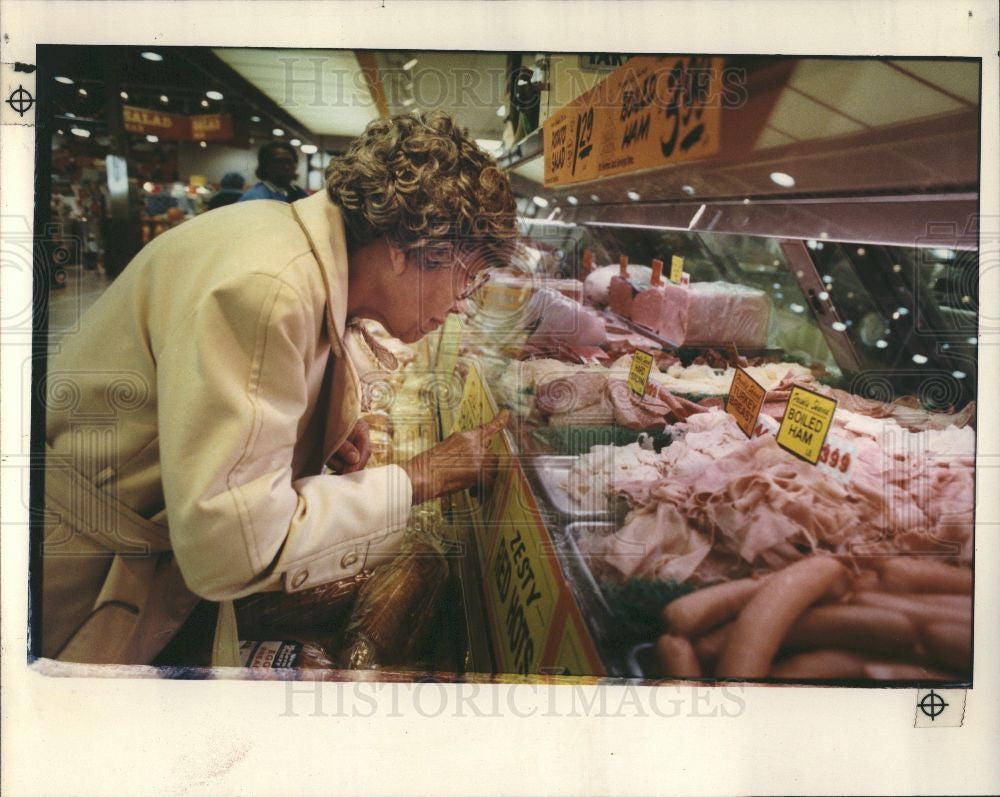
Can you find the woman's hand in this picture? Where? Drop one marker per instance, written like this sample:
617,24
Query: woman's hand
354,454
460,461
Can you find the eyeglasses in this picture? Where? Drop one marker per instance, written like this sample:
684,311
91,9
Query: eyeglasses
472,286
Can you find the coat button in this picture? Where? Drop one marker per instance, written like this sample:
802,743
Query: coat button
300,578
349,559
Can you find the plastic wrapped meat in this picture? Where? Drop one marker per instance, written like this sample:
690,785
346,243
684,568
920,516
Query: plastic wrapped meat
705,313
598,283
564,320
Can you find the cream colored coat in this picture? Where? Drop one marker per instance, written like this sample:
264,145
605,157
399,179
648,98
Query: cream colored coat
187,422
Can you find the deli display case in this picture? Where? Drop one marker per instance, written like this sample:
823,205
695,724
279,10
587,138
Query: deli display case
744,416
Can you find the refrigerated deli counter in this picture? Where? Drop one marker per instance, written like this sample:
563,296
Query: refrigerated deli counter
743,436
810,445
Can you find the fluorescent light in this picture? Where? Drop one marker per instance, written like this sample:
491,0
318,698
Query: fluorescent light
80,131
782,179
572,200
410,64
277,132
633,195
69,115
595,198
83,92
65,80
164,98
149,55
310,149
152,139
958,374
919,359
972,341
696,216
123,95
295,142
214,95
541,201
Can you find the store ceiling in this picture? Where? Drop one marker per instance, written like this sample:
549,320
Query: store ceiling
329,92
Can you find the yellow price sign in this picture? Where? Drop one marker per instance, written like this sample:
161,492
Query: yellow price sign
522,589
676,269
638,374
477,405
804,426
744,401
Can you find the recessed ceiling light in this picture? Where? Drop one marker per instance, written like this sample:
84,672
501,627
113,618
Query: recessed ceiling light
881,344
310,149
254,118
572,200
277,132
65,80
148,187
295,142
214,95
203,144
595,198
782,179
633,195
410,64
204,103
839,326
164,98
83,92
688,189
958,374
152,139
541,201
919,359
80,131
123,95
149,55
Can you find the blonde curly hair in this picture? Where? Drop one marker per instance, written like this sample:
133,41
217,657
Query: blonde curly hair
424,185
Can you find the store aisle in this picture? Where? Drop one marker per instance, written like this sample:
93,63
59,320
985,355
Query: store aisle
68,304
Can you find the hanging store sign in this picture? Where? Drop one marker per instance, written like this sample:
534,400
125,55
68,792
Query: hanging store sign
652,111
178,127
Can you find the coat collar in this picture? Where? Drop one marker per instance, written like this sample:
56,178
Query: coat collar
324,227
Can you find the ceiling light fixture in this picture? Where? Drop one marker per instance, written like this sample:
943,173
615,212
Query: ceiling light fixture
277,132
309,149
80,131
782,179
152,139
410,64
68,81
149,55
214,95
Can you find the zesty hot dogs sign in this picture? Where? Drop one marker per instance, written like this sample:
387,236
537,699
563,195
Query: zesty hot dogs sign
651,111
178,127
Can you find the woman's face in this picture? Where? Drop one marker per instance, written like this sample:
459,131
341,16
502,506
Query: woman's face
419,298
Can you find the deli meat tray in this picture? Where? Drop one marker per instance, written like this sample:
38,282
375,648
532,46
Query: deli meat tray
551,477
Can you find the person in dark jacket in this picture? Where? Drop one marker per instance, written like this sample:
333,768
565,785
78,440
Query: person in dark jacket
231,191
277,164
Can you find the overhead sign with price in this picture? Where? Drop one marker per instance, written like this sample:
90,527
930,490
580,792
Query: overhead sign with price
651,111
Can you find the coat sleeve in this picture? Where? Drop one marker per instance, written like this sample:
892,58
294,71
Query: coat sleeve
231,389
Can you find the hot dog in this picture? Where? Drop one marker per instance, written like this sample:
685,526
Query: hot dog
703,610
764,622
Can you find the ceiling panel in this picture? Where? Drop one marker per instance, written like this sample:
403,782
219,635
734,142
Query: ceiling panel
804,119
871,92
960,78
323,89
